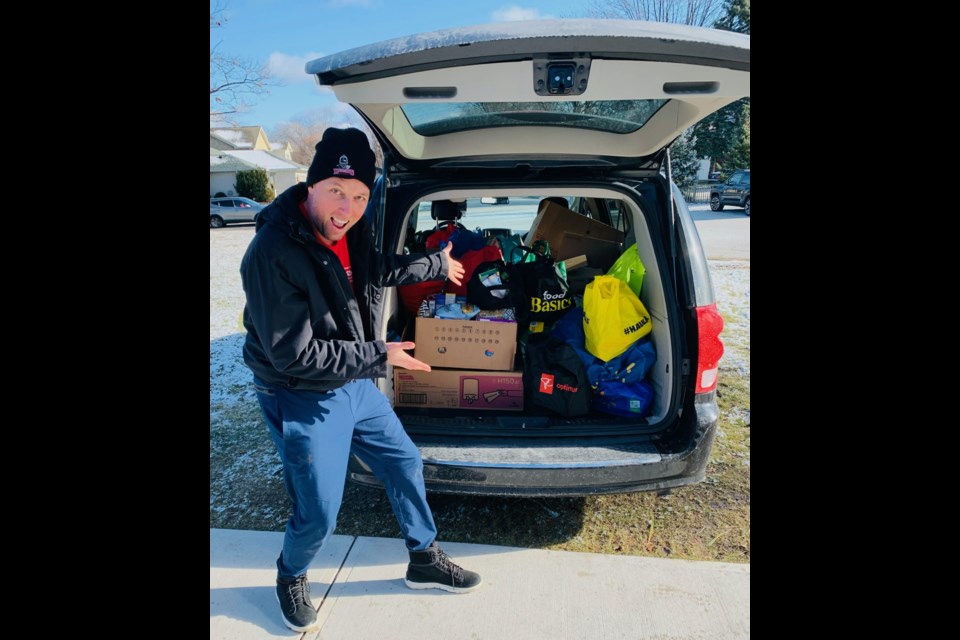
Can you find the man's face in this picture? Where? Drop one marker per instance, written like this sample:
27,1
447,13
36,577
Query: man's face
335,205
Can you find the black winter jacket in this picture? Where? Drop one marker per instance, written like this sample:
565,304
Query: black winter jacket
305,327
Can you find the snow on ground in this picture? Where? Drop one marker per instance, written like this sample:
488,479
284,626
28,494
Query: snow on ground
731,286
227,371
230,378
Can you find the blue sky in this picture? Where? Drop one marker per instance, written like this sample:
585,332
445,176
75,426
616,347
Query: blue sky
287,33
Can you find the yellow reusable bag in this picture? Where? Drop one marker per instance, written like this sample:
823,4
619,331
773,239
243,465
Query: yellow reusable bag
629,269
613,317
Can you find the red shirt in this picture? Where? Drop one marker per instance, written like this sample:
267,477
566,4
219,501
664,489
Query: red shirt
339,247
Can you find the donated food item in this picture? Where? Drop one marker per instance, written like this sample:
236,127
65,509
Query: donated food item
458,311
498,315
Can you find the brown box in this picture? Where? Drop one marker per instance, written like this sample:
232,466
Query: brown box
601,254
466,344
458,389
553,221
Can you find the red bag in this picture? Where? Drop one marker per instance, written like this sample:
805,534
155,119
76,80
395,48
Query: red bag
411,295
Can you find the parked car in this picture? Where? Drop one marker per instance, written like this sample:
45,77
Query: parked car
233,209
734,192
504,109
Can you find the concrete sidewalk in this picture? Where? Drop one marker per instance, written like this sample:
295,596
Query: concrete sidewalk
357,583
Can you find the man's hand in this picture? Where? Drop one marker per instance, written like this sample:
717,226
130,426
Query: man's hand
400,358
455,271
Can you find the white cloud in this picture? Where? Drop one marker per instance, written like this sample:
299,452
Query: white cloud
512,13
290,68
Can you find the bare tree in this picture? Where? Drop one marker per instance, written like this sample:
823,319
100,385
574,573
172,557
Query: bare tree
233,80
302,136
305,131
698,13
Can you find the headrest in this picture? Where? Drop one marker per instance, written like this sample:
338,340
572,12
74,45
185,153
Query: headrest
444,210
555,200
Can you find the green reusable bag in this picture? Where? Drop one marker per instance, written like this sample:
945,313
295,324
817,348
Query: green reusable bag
629,269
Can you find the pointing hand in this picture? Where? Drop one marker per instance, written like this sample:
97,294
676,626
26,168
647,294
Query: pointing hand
455,271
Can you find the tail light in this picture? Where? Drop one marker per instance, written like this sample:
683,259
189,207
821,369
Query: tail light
709,326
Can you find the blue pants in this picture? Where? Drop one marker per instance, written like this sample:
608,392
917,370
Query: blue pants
315,432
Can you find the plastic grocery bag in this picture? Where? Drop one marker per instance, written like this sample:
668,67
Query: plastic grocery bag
629,367
619,385
629,269
613,317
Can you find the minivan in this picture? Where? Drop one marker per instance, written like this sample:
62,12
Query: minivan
516,112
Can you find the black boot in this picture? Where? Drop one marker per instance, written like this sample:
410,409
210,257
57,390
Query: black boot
432,569
294,597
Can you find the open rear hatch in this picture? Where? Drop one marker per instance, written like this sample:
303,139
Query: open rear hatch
609,92
594,98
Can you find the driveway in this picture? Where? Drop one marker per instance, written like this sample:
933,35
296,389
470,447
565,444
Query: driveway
725,234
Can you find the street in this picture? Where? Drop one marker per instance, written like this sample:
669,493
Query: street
725,234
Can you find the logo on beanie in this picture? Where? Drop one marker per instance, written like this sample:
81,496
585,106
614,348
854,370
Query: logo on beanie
344,168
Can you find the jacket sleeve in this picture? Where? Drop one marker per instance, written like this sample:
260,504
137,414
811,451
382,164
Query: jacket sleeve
394,269
280,311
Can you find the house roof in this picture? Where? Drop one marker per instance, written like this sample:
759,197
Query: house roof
264,159
241,137
218,143
220,162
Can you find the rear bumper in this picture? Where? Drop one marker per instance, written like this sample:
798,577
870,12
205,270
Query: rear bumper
573,469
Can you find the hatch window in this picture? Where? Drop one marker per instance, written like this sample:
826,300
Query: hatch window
612,116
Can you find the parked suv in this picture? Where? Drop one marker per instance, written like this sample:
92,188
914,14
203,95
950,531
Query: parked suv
734,192
582,109
235,209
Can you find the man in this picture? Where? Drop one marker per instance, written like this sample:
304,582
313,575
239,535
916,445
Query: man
314,287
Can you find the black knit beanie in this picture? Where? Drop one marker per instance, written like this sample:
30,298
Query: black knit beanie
343,153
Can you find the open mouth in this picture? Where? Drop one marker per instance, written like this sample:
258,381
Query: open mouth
339,224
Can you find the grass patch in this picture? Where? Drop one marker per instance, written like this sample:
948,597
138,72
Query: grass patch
706,521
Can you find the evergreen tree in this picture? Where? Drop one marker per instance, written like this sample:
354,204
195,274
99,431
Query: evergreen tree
254,184
736,17
739,157
683,160
716,135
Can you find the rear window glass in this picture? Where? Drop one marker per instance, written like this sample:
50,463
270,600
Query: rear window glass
613,116
516,214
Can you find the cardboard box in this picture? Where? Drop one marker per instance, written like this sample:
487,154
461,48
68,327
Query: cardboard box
466,344
458,389
553,221
601,254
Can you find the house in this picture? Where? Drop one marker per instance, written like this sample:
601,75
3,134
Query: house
245,148
241,137
282,149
